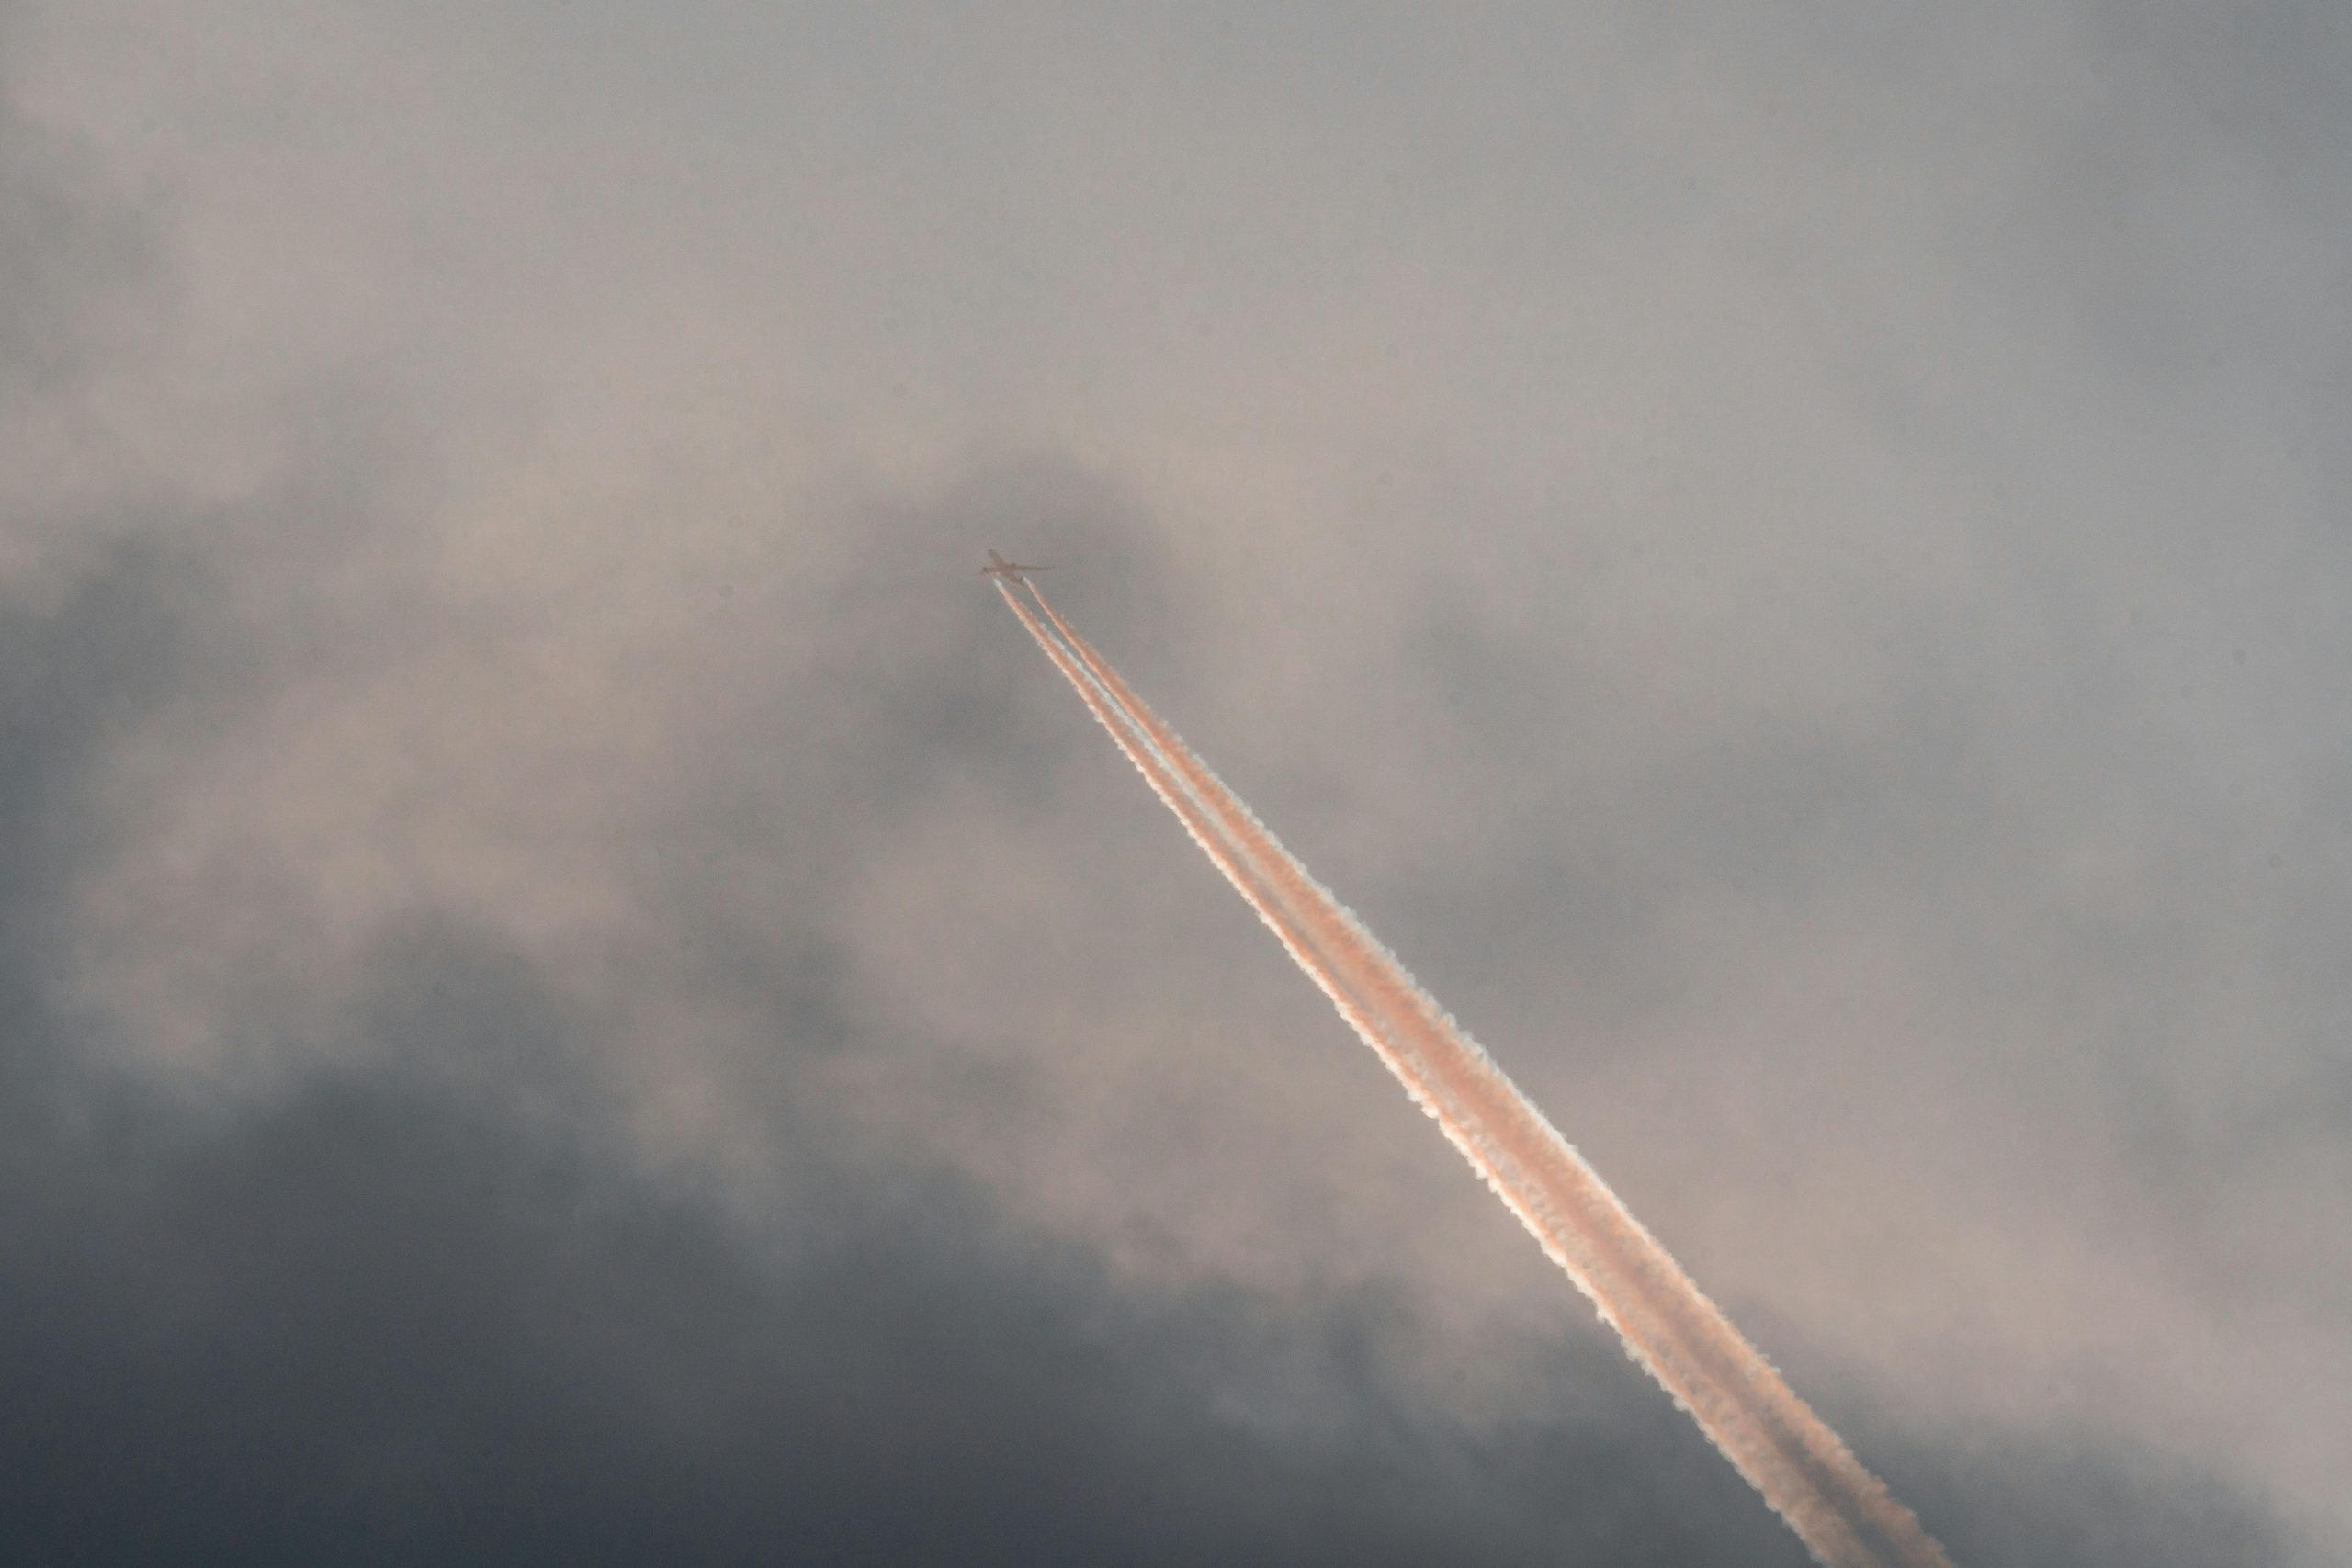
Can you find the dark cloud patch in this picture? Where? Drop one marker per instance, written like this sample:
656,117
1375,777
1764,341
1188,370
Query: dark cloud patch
387,1320
87,650
85,656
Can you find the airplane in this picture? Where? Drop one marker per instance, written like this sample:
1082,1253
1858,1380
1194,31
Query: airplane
1010,571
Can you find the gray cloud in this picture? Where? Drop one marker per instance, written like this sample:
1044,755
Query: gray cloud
400,1317
573,988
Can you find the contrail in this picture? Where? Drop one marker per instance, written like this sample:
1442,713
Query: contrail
1842,1513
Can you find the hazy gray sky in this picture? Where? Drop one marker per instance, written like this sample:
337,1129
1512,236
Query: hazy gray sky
569,984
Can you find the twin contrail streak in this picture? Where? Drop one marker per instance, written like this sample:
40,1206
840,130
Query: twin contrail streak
1841,1512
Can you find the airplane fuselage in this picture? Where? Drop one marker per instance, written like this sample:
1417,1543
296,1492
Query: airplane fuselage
1010,571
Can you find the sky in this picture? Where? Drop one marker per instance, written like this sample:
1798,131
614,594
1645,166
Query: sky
572,990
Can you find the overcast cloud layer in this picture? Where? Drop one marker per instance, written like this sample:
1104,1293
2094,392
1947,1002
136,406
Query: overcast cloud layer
573,990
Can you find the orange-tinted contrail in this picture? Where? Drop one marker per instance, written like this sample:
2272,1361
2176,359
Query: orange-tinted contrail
1152,762
1842,1512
